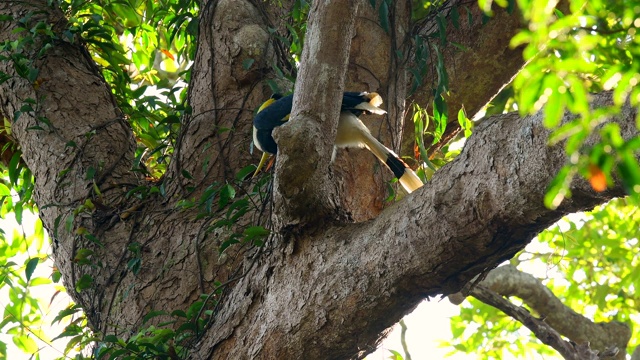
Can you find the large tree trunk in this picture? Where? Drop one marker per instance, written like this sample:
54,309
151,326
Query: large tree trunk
320,288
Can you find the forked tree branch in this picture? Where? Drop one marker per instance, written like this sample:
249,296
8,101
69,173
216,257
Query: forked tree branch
543,331
509,281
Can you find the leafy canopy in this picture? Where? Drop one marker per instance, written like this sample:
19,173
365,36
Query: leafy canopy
145,48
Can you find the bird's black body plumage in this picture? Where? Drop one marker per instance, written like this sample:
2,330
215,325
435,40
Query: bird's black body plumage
271,116
351,131
278,108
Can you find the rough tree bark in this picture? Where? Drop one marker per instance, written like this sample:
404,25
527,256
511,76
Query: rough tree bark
319,289
307,193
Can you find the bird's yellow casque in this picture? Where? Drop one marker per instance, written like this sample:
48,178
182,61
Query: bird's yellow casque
351,132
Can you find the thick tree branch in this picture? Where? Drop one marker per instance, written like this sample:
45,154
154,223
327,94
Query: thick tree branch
352,282
74,140
215,139
303,190
478,72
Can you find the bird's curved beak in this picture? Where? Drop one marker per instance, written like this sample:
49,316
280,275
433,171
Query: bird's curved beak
263,160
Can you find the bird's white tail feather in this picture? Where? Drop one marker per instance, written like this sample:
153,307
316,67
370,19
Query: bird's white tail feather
353,133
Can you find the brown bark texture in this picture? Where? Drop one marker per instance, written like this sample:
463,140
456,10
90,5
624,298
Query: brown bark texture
321,287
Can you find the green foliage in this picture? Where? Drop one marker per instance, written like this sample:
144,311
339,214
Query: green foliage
591,49
220,203
147,80
162,341
484,331
292,40
423,123
22,317
427,61
395,355
590,263
598,258
144,49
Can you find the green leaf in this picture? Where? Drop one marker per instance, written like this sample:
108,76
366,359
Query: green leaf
243,173
153,314
56,276
233,239
485,5
25,343
31,267
91,172
553,110
85,282
395,355
37,281
4,190
442,29
68,224
440,118
134,265
464,122
110,339
456,329
559,187
460,347
69,330
226,194
179,313
455,17
14,168
253,233
32,76
630,172
383,16
186,174
247,63
82,256
117,355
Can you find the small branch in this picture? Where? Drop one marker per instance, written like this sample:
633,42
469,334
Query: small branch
541,329
403,340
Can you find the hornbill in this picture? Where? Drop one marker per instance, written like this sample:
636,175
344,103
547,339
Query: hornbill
351,131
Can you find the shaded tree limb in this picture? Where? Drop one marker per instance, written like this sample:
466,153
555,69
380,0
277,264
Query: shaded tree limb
509,281
543,331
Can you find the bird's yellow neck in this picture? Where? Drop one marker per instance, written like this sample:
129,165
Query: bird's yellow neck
266,104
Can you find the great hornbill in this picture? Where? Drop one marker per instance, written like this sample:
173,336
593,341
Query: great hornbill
351,131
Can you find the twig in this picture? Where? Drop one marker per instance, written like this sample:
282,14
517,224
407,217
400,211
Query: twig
403,340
